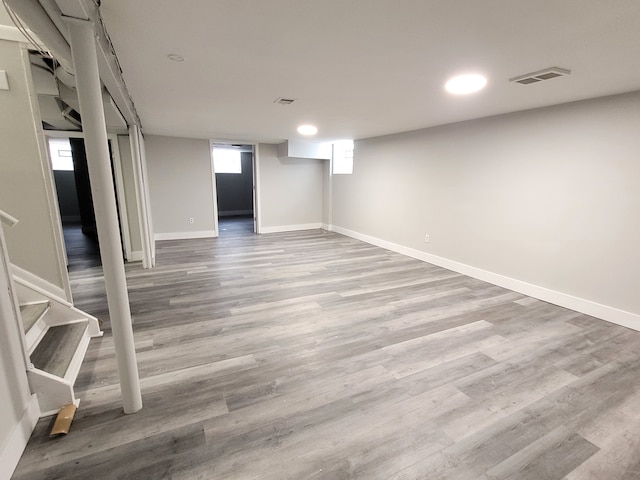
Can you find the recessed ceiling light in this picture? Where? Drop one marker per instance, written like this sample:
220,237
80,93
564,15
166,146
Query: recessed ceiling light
307,130
464,84
176,58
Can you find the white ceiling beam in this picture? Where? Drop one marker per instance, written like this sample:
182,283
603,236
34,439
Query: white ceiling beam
110,72
44,18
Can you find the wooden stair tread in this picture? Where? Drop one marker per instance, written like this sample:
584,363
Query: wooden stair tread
55,352
31,312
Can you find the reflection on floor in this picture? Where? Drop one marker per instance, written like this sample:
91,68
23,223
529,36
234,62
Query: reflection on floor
82,250
241,225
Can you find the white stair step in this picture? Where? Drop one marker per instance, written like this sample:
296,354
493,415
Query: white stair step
31,313
57,336
57,348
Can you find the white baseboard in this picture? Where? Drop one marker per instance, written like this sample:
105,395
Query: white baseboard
18,438
184,235
604,312
135,256
291,228
40,283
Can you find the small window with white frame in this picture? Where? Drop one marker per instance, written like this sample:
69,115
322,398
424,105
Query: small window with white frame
60,153
227,160
343,157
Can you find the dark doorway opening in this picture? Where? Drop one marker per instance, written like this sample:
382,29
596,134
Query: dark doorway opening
233,166
73,188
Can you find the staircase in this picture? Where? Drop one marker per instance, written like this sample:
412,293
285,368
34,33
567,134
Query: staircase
57,336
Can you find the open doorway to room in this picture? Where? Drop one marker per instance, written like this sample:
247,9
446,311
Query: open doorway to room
233,167
75,202
70,174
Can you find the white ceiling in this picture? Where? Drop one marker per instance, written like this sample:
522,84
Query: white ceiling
361,68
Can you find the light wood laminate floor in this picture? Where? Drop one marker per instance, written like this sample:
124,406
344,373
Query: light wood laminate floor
311,355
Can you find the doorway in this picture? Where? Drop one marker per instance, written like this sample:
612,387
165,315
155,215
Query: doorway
233,167
75,201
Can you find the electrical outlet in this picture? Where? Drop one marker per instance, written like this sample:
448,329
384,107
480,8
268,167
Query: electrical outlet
191,220
426,238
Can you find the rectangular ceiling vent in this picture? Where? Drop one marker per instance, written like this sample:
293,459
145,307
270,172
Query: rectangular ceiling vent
284,101
540,75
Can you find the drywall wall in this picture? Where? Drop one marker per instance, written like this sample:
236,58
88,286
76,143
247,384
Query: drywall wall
304,149
133,216
180,186
4,16
549,197
290,191
26,189
235,191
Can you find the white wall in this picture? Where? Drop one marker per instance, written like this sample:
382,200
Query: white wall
25,185
290,191
180,186
549,197
304,149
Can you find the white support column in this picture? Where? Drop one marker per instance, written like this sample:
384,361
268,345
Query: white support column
83,49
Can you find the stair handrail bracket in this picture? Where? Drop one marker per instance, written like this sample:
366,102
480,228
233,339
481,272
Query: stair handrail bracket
7,219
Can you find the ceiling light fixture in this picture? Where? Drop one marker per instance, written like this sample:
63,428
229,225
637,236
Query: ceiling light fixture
175,58
307,130
465,84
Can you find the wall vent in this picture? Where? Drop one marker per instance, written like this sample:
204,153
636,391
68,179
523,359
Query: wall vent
284,101
540,75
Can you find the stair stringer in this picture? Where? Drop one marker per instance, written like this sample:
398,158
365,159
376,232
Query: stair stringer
52,392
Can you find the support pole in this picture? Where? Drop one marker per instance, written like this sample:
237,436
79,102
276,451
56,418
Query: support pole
85,62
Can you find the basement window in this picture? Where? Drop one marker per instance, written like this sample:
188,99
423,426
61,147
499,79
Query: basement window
60,153
226,160
343,157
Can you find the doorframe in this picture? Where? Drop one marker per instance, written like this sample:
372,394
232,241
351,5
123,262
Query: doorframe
119,184
143,202
257,223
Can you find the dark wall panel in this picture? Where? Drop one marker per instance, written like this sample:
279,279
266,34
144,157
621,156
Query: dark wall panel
235,191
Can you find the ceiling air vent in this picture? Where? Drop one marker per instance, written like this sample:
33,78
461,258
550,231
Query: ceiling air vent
540,75
284,101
